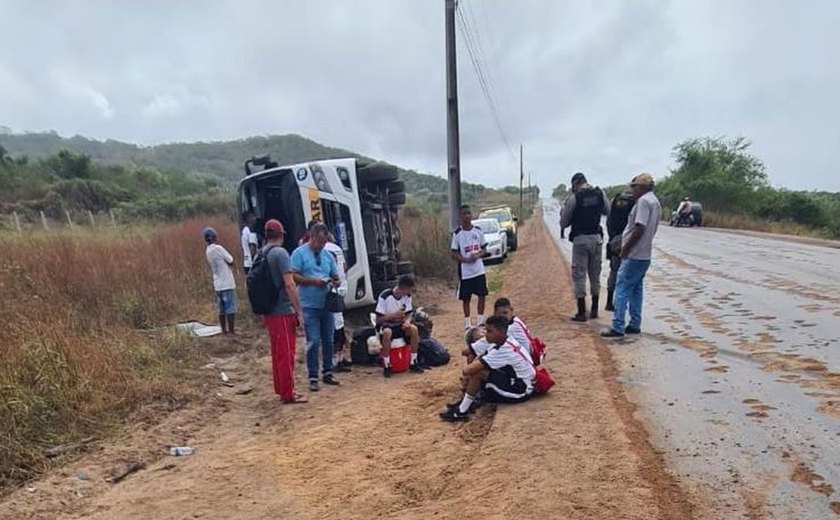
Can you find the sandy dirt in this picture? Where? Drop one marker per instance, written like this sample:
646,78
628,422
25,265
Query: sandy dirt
375,448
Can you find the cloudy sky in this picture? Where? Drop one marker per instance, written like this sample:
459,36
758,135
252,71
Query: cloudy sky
607,88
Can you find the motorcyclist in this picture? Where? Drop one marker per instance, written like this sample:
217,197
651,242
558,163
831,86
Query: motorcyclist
684,211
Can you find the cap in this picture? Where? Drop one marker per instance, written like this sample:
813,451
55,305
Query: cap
273,228
208,233
578,177
643,179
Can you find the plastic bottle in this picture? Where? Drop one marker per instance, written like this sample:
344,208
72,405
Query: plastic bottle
180,451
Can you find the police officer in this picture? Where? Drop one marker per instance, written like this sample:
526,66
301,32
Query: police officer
616,222
582,211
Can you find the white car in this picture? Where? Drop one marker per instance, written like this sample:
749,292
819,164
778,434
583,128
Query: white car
497,248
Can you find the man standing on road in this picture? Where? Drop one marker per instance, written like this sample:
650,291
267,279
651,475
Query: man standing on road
468,248
282,319
637,244
616,222
315,272
582,211
248,240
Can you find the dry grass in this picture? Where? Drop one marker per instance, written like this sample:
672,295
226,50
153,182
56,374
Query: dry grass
426,242
72,358
747,223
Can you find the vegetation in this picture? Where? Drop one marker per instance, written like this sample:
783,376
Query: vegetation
75,359
733,186
72,182
727,179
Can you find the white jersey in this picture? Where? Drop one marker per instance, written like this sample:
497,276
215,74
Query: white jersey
467,242
341,262
388,303
219,260
513,360
519,331
247,238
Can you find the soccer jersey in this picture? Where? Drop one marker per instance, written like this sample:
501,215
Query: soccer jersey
468,242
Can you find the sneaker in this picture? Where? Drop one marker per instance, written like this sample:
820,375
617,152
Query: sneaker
457,404
611,333
454,415
342,369
313,386
387,372
345,363
632,330
416,369
330,380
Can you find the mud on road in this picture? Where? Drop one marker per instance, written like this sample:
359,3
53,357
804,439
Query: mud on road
375,448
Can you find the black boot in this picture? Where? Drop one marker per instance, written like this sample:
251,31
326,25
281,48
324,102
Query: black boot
581,314
594,312
609,306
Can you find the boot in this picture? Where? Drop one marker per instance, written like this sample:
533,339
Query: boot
594,312
609,306
581,313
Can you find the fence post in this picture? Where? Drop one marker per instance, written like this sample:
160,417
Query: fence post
113,220
69,220
17,222
44,221
92,221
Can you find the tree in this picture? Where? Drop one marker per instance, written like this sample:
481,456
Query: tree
5,158
559,191
720,173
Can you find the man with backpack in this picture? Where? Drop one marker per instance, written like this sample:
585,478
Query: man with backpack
340,364
505,373
582,211
273,293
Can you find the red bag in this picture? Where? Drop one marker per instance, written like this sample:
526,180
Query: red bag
542,379
537,345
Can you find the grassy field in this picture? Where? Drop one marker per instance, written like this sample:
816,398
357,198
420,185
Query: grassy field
86,313
79,349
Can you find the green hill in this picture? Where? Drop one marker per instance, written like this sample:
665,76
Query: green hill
45,171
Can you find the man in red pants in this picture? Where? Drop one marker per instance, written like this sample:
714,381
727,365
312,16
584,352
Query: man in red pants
283,318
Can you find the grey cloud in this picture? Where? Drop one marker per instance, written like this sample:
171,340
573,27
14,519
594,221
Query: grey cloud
608,89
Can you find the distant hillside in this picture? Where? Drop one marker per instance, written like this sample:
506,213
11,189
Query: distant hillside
54,174
221,160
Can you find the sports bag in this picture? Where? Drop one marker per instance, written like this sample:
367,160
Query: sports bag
262,293
431,352
542,379
537,345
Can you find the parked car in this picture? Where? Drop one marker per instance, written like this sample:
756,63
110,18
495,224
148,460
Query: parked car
496,239
695,218
358,201
508,222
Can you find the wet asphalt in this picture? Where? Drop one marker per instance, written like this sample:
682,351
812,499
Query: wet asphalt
737,372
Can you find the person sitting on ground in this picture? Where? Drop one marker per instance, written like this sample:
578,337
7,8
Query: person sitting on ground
517,328
505,373
393,311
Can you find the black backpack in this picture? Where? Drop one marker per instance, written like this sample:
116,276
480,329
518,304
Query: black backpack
431,352
262,293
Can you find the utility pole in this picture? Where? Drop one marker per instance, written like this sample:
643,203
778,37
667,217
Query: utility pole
521,178
530,190
453,151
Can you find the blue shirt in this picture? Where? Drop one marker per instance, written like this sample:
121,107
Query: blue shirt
309,265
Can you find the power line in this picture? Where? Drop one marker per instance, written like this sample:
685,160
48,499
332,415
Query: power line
475,54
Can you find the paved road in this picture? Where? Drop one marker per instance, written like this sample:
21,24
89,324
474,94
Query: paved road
737,373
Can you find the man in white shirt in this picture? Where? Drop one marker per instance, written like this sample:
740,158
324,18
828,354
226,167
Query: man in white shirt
223,283
468,248
393,320
505,373
636,249
249,241
340,338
